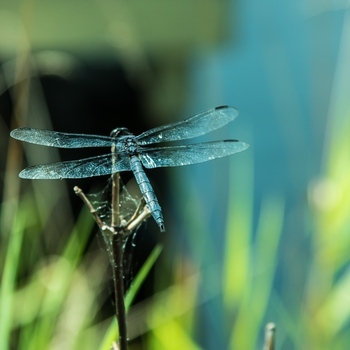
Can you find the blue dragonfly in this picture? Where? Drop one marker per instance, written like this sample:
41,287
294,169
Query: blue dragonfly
133,153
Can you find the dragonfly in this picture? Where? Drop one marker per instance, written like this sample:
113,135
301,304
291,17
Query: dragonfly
134,153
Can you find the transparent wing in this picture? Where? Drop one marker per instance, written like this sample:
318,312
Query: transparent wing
197,125
190,154
60,139
88,167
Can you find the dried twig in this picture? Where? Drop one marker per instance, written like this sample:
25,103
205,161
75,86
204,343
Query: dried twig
118,233
270,329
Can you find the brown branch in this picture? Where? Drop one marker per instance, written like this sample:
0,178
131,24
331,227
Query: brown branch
118,233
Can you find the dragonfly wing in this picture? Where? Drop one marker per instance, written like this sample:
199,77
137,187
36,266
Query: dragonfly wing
190,154
197,125
60,139
88,167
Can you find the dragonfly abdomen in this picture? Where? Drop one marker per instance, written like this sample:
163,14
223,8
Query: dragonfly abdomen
147,191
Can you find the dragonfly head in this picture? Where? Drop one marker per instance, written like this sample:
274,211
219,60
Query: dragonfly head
120,132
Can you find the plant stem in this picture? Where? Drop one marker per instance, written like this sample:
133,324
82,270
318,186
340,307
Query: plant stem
118,268
270,330
116,235
119,289
115,201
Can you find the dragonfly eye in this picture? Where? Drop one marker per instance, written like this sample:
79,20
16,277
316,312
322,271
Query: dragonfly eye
120,132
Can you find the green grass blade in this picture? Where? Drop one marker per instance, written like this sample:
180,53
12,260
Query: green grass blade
8,280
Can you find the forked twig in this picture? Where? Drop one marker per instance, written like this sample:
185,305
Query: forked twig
141,214
118,233
79,192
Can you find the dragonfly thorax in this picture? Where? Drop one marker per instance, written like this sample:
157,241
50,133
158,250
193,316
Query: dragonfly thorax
125,141
127,144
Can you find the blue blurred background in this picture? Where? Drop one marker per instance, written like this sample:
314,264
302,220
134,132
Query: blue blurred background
273,217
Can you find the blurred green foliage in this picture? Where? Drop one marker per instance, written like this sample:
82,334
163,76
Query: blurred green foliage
52,286
49,302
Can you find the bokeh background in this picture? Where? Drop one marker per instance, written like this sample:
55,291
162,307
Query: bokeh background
263,236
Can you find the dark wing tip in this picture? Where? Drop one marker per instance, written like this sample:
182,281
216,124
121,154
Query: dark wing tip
230,111
225,107
243,146
222,107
